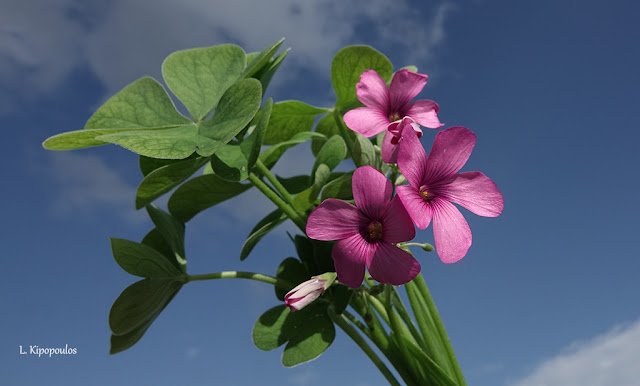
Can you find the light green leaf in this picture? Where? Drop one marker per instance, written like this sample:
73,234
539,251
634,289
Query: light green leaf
201,193
200,76
81,139
289,118
140,303
267,73
142,260
363,152
273,154
165,178
257,61
332,153
347,66
264,226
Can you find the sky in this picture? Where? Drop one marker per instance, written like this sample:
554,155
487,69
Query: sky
547,295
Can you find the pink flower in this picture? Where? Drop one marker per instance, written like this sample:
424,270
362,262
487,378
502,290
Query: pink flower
306,292
386,106
367,232
434,184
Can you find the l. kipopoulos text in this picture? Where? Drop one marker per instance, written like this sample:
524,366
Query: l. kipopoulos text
47,351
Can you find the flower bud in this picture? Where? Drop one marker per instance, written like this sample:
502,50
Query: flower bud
308,291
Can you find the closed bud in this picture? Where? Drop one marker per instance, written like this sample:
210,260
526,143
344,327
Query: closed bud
308,291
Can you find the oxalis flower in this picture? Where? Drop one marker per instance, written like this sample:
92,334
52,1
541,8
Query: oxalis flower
386,106
434,184
306,292
367,232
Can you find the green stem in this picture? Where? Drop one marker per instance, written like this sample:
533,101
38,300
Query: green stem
242,275
343,323
379,307
402,311
435,315
344,131
273,196
264,170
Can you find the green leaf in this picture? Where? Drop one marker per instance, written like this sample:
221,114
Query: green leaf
308,332
121,343
347,66
305,199
339,188
165,178
172,231
331,153
293,271
236,108
147,165
200,76
140,303
201,193
155,240
273,154
264,226
327,126
267,73
234,162
290,118
258,61
433,373
142,260
295,184
363,152
341,296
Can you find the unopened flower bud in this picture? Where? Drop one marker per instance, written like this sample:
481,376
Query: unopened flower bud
308,291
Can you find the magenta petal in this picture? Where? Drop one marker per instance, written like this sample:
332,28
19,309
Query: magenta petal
412,159
366,121
405,86
349,258
451,150
392,265
418,209
450,231
372,91
389,150
372,191
396,223
425,112
333,220
476,192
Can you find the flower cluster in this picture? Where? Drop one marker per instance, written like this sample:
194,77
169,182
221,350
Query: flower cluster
368,232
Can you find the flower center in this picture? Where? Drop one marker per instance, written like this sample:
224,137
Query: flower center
394,117
426,194
374,232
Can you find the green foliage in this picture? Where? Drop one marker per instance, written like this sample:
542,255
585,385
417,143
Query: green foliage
339,188
293,271
142,260
164,178
200,76
273,154
257,61
331,153
346,68
290,118
307,333
171,230
363,152
261,229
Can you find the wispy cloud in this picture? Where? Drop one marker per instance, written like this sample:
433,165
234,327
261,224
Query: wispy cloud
42,42
87,184
608,359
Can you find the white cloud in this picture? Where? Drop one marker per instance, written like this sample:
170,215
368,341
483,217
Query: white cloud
42,42
608,359
87,184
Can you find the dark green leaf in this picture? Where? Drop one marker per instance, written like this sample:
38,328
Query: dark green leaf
252,144
341,296
172,230
200,76
288,119
273,154
147,165
363,152
120,343
347,66
326,126
293,271
141,303
230,163
339,188
142,260
201,193
295,184
165,178
331,153
155,240
264,226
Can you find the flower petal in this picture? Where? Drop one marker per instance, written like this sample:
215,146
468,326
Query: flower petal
451,150
389,149
396,223
349,258
476,192
412,160
450,231
418,209
392,265
366,121
333,220
372,91
425,112
405,86
372,191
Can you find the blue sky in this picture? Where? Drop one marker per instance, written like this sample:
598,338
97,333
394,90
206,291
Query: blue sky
547,294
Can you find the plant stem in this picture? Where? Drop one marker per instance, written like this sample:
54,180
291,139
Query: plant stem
344,131
242,275
264,170
343,323
285,207
433,310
